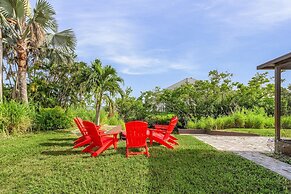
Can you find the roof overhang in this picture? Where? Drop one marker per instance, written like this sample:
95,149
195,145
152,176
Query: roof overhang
284,62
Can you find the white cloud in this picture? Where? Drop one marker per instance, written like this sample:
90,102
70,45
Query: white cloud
112,30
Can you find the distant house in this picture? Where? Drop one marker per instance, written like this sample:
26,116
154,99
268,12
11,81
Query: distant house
189,80
161,106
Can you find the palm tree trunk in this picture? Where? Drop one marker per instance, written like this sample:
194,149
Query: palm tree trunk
22,70
98,108
1,67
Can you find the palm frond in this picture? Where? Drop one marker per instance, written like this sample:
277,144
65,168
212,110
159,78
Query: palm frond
64,40
44,15
27,8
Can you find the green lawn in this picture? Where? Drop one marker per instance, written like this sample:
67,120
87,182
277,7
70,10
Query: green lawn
262,132
45,163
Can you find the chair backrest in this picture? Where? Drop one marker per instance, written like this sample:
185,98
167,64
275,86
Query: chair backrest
171,127
93,132
79,123
136,133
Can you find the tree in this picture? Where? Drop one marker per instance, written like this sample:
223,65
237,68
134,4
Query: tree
104,83
130,108
29,32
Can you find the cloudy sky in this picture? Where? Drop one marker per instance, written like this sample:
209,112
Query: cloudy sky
159,42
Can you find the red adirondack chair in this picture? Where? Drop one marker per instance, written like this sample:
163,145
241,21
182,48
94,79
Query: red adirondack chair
162,134
85,139
100,140
136,136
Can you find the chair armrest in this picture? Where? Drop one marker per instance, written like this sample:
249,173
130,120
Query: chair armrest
157,131
161,126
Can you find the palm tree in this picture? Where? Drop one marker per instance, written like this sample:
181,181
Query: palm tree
29,32
105,83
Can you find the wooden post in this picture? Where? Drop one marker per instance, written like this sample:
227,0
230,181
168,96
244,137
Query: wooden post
277,107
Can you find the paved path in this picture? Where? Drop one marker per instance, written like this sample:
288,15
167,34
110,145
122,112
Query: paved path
250,148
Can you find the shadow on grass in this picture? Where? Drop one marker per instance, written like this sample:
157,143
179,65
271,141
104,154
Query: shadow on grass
64,139
61,144
61,152
208,171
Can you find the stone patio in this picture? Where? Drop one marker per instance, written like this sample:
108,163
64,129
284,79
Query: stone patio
250,148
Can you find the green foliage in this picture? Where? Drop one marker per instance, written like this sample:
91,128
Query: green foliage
16,118
239,119
104,83
191,125
255,119
269,122
286,122
53,118
228,122
82,112
115,120
162,119
129,107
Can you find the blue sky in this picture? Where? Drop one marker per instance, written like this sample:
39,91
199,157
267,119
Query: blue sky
157,43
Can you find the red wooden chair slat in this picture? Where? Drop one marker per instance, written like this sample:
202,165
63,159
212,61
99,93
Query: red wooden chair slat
162,134
85,138
100,140
136,135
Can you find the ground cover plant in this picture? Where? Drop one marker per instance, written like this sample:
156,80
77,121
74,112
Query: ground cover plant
45,163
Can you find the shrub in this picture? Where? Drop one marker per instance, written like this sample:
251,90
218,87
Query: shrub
115,120
209,123
286,122
53,118
255,121
220,123
239,119
16,118
269,122
103,117
162,119
228,122
82,112
191,125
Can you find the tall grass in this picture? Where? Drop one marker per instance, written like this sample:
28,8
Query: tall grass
16,118
256,119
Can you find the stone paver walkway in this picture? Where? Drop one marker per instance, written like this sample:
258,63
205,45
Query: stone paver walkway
250,148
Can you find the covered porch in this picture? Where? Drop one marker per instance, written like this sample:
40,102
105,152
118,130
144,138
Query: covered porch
279,64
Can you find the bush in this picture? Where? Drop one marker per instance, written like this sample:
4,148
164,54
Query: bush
53,118
162,119
115,120
255,121
229,122
82,112
220,123
239,119
209,123
191,125
243,119
286,122
16,118
269,123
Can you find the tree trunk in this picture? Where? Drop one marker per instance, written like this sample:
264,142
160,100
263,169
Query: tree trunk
98,107
22,70
1,67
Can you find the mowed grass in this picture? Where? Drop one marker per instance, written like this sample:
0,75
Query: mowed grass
45,163
262,132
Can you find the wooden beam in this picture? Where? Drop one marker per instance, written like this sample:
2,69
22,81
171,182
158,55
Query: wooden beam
277,105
